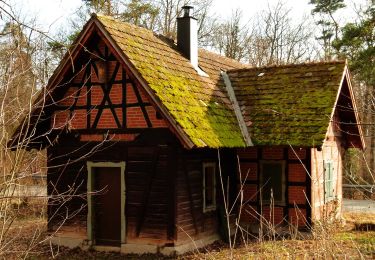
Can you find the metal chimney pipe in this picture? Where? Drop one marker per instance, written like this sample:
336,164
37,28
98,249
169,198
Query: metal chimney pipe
187,9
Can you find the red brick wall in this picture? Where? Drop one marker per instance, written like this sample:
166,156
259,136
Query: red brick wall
96,95
297,153
248,153
297,194
71,94
273,215
273,153
298,217
60,119
249,192
249,215
248,171
296,172
135,118
78,119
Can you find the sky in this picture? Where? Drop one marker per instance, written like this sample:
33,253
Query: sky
53,13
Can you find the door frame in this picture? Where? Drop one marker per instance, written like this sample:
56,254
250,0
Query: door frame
90,187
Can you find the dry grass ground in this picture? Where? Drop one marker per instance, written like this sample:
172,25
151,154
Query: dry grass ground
355,239
342,245
335,242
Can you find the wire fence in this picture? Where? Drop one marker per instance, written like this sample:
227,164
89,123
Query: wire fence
359,192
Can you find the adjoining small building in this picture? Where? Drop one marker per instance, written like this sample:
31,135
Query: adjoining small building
142,134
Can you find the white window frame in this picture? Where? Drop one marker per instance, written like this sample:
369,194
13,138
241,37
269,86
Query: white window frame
329,181
212,207
283,184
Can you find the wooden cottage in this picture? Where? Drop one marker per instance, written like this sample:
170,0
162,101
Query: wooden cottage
142,134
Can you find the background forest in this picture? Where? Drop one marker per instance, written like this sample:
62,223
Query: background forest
29,55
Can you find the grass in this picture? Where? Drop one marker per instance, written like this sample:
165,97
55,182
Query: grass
344,244
332,242
335,241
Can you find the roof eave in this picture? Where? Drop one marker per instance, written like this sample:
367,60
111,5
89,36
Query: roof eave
355,109
346,77
44,95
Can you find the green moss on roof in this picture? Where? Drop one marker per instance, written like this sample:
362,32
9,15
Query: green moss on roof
289,104
283,105
196,103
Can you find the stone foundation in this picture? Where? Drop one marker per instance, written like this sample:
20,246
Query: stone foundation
73,241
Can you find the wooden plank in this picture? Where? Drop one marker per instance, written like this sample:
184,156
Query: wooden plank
172,176
88,100
189,190
286,172
259,208
124,82
147,191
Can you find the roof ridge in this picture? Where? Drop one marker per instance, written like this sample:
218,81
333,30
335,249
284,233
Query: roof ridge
167,40
222,57
99,16
291,65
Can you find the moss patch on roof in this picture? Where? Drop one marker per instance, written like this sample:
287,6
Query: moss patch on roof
289,104
197,103
282,105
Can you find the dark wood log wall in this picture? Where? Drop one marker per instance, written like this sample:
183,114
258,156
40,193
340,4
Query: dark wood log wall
192,222
149,164
163,186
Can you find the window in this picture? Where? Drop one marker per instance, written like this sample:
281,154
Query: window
328,181
209,186
272,178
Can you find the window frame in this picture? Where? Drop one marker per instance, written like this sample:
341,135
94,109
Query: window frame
213,206
329,180
281,202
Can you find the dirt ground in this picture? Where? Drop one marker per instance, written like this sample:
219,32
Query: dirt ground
27,238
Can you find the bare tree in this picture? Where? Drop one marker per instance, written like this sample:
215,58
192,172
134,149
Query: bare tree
24,68
169,10
231,38
275,39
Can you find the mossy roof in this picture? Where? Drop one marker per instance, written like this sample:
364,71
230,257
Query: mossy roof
288,105
197,103
281,105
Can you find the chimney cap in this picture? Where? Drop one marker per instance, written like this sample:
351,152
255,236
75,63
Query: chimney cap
188,9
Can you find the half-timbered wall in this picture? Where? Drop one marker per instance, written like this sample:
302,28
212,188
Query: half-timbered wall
295,209
102,94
